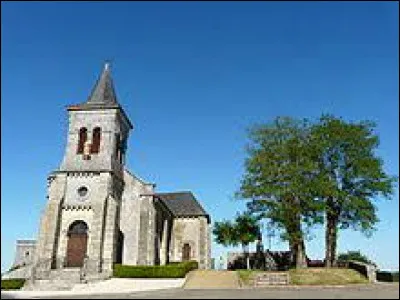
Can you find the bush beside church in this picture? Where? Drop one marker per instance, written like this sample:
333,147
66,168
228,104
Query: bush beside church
175,270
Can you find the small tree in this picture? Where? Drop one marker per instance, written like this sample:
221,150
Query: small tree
244,230
225,234
248,231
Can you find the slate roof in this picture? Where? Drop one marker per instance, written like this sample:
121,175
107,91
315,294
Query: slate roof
103,95
182,204
103,92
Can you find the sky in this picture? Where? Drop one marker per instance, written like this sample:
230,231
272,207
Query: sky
192,77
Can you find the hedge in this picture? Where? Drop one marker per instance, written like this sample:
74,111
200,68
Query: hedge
175,270
387,276
12,284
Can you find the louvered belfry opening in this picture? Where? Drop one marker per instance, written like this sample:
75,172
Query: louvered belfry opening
96,138
82,140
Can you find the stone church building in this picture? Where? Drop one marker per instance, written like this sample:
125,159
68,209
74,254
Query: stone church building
98,213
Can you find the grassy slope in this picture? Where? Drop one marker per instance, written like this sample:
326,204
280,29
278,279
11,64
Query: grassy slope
246,275
320,276
314,276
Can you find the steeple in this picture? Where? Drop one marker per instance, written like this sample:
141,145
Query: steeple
102,97
103,92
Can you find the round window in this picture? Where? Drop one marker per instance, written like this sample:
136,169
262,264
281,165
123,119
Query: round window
82,191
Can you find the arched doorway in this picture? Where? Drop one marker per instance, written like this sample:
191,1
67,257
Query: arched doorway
186,252
77,244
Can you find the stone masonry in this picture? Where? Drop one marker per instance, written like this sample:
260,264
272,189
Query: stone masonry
98,213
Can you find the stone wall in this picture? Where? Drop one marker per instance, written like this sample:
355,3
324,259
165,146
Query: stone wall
367,270
111,123
195,232
47,241
25,252
130,218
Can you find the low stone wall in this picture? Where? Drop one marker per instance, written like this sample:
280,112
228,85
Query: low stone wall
367,270
22,272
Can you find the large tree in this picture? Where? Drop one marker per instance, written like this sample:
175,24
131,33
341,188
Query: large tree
244,230
351,176
279,178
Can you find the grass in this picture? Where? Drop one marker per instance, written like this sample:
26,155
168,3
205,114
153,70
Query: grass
246,276
12,284
323,276
312,276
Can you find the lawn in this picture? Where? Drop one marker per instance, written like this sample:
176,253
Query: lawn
323,276
313,276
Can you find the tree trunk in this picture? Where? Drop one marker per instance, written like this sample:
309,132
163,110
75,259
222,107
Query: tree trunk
299,254
246,256
330,240
297,245
298,251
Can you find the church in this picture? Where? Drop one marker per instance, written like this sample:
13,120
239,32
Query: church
98,213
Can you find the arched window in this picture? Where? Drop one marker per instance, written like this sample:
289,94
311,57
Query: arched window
82,140
96,140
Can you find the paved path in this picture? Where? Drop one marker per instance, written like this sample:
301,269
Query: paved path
376,291
110,286
210,279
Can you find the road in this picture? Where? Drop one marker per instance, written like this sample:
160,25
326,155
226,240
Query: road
377,291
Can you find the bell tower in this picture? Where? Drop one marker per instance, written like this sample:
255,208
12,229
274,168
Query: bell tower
79,227
98,131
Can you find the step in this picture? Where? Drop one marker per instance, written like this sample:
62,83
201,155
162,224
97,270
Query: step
72,274
48,285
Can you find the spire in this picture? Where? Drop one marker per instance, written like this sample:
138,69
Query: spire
103,92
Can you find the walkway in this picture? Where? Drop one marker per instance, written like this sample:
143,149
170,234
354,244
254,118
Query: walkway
208,279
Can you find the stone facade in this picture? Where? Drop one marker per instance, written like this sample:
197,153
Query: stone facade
195,232
95,203
25,252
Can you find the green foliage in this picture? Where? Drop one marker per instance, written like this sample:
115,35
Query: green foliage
280,175
247,228
298,172
12,284
351,173
175,270
355,255
224,233
244,230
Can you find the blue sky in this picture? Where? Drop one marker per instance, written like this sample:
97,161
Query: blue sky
192,76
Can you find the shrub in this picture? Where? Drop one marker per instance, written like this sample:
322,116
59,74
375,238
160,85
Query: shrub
12,284
176,270
354,255
387,276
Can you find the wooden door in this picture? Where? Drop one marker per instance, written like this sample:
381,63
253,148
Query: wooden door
186,252
76,250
